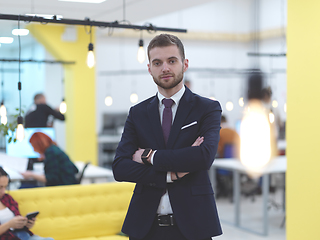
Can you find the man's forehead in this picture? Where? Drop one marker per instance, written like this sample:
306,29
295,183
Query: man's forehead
164,52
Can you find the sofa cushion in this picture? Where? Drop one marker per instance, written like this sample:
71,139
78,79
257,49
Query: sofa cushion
77,211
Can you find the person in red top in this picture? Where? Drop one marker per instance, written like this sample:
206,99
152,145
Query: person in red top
13,226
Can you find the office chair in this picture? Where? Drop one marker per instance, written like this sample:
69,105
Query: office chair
82,173
225,177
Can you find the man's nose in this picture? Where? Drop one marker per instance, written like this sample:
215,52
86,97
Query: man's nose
165,67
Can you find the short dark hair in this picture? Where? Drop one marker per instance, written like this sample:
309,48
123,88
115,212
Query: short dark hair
3,173
165,40
266,92
37,96
223,118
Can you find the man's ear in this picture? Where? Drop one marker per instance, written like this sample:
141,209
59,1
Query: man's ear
149,68
185,65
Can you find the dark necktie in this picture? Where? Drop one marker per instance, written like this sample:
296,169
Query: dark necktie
166,118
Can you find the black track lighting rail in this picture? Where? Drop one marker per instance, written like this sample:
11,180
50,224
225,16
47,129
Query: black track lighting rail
35,61
88,22
267,54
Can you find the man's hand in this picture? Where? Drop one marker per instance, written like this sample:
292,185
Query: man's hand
196,143
137,156
28,175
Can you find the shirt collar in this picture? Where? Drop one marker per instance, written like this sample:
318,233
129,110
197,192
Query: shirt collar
176,97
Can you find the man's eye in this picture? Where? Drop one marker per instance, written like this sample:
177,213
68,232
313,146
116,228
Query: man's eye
172,61
156,63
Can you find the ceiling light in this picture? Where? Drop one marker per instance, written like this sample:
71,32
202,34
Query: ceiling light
134,98
241,102
229,106
63,107
90,57
141,56
6,40
108,101
275,103
21,32
84,1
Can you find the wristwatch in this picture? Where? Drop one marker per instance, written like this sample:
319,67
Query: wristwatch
145,155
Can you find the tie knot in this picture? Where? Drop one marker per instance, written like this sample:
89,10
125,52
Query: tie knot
167,102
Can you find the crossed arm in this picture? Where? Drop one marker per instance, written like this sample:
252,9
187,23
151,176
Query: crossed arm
174,176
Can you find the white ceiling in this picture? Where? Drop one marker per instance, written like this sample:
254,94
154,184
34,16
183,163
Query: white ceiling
110,10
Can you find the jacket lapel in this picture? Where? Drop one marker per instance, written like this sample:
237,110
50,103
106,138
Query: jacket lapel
185,106
154,117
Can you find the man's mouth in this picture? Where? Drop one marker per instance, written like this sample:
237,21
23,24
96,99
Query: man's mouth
166,77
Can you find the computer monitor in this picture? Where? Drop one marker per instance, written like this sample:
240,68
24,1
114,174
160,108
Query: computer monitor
24,148
238,126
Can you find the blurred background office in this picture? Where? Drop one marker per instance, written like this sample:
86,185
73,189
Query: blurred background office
217,44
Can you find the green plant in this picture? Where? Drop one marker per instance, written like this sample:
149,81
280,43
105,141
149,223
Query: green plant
9,128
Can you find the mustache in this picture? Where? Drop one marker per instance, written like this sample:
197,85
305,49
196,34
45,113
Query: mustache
166,75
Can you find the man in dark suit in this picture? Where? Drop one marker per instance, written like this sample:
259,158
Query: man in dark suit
173,197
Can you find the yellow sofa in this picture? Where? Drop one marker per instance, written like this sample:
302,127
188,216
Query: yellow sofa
82,212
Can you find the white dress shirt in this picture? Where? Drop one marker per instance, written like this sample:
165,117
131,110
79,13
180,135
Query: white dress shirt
165,206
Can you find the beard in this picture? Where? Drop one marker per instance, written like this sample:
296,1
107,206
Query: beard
169,85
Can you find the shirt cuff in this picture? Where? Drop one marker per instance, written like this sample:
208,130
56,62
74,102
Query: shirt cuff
169,180
151,161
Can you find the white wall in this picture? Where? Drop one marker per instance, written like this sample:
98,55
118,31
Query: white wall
219,16
114,54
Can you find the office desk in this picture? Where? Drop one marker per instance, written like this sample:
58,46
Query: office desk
109,138
278,165
91,173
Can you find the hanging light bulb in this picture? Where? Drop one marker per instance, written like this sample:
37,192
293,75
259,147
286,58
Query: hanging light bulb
20,129
90,57
255,133
63,107
275,103
134,98
141,56
3,114
4,120
255,150
3,110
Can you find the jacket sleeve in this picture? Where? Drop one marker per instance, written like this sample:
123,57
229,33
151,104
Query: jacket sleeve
54,113
191,159
125,169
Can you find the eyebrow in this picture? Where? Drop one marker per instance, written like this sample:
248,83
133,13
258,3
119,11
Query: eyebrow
173,57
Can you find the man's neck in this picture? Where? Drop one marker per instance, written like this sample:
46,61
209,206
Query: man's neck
168,93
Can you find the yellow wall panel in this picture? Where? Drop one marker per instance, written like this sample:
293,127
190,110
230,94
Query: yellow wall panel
303,120
81,139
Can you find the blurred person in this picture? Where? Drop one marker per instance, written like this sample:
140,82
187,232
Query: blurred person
58,168
13,226
167,147
229,143
39,113
229,147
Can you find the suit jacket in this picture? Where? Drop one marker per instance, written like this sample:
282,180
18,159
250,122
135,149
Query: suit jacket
192,197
